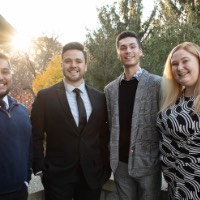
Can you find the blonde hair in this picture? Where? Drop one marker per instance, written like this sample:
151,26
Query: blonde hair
170,89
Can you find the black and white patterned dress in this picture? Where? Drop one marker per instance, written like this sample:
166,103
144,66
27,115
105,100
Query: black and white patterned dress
179,129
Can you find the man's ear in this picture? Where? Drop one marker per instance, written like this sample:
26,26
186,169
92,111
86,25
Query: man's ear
86,67
118,55
141,52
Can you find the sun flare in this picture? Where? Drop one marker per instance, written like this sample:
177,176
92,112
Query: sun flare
21,42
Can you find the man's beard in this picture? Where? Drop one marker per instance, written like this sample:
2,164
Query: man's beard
2,95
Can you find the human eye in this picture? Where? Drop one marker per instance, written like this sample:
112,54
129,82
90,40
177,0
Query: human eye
174,64
6,71
122,48
185,61
133,46
67,61
79,61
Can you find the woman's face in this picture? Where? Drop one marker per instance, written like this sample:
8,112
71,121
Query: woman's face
185,68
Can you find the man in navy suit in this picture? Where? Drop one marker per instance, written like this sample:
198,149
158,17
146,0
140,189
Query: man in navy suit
75,164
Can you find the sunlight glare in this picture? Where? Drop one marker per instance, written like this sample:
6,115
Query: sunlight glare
21,42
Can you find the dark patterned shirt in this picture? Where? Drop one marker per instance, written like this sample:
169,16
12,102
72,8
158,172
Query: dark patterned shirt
179,129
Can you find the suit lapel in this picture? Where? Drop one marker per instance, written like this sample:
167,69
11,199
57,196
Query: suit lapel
93,100
115,98
138,99
115,90
140,91
94,103
64,103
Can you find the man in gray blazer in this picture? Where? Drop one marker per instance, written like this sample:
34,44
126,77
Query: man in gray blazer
133,103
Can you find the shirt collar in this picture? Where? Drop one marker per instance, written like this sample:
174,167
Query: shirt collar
137,75
70,88
5,99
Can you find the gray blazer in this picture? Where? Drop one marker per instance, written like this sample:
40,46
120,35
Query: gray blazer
144,144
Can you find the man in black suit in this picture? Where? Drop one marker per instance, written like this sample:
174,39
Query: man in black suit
75,164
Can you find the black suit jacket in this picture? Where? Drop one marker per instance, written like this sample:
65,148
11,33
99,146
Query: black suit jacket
65,147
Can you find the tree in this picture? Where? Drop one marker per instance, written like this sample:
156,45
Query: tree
175,24
184,10
125,15
170,23
43,50
51,75
27,64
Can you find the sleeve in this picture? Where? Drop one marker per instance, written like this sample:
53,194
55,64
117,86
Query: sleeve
38,130
105,138
30,160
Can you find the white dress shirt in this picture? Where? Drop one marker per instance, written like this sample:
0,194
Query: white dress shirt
71,96
5,99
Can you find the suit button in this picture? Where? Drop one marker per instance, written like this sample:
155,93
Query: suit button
132,150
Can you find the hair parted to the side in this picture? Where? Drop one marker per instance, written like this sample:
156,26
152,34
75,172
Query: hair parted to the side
76,46
170,89
126,34
5,57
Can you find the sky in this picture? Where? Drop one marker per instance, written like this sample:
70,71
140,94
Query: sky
66,19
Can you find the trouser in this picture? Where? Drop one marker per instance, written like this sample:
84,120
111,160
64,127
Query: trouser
18,195
142,188
77,189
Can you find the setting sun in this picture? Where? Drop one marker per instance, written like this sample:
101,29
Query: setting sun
21,42
63,18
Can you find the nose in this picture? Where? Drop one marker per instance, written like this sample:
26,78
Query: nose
73,64
128,50
180,66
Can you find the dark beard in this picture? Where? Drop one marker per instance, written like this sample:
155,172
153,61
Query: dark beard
4,94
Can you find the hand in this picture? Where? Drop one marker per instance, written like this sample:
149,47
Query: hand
39,174
26,183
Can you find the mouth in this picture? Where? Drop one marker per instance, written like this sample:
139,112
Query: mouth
2,84
73,72
128,57
183,74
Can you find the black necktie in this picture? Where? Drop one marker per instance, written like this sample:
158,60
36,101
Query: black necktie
3,104
81,110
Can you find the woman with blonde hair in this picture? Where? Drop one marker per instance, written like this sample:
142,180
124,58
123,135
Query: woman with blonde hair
178,122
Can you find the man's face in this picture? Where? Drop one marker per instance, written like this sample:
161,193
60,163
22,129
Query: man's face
74,66
129,52
5,78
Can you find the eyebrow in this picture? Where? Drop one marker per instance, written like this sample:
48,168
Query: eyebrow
185,57
128,44
72,59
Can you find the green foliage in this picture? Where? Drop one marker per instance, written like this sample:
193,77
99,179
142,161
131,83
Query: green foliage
126,15
170,23
175,24
103,65
43,50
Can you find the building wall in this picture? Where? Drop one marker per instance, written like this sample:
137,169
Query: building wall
7,31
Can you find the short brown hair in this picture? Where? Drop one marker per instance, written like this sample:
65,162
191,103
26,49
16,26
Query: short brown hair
126,34
5,57
75,45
